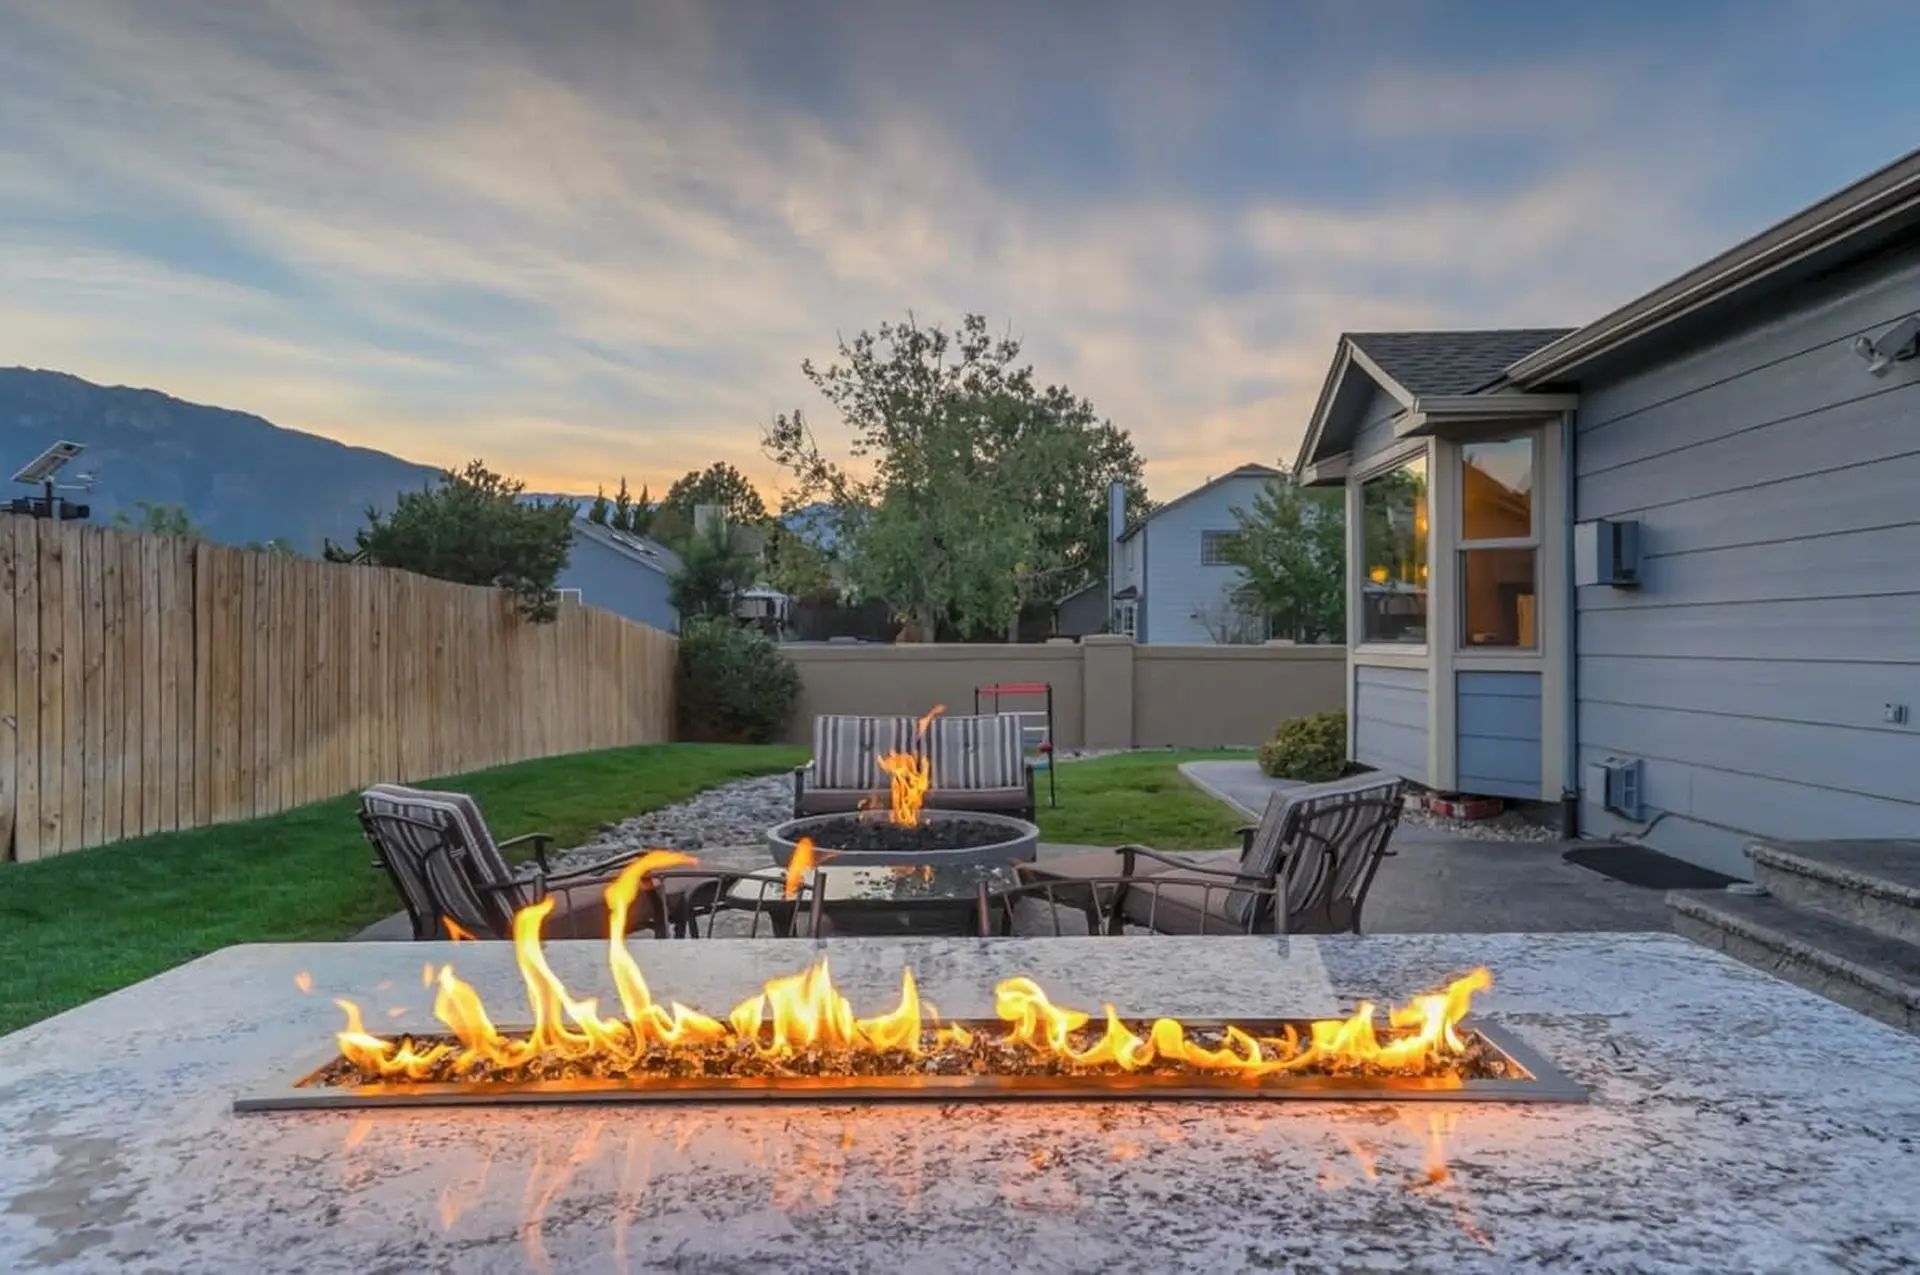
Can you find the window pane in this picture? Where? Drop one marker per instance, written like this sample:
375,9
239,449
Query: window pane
1497,598
1496,490
1216,548
1393,546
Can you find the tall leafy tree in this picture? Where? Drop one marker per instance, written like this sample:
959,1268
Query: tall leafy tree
986,492
1292,548
600,510
472,527
712,573
623,507
718,484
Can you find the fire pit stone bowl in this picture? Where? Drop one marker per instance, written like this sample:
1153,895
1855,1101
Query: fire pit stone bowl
943,838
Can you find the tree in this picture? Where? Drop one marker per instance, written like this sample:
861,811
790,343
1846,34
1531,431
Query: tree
987,491
623,507
1292,547
473,527
156,519
718,484
640,517
598,511
792,565
712,573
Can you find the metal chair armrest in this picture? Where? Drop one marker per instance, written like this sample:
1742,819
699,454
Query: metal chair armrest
1129,853
538,840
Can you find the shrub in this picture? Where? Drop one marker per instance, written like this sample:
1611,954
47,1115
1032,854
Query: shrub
732,684
1312,749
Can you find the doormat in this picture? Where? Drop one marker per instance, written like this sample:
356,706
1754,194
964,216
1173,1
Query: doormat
1637,865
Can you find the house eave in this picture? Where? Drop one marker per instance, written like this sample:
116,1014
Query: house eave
1328,472
1868,205
1435,413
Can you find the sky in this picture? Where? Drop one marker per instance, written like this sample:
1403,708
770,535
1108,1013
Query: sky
588,238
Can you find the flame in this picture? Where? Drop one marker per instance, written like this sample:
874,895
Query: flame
806,1012
803,861
909,775
303,981
457,932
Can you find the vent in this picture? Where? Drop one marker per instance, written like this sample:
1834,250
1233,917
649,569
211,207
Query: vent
1618,782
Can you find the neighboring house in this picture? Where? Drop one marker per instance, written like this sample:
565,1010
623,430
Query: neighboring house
1172,582
1085,610
1667,565
623,573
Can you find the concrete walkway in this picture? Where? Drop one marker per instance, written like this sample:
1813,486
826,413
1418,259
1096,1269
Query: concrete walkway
1439,884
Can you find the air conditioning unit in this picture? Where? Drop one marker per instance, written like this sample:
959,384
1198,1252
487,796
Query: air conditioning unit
1620,784
1606,552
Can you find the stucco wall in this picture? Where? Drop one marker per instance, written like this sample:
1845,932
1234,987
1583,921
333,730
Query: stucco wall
1107,691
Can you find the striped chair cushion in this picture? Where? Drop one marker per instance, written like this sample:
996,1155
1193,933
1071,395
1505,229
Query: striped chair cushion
445,879
846,749
1278,831
968,753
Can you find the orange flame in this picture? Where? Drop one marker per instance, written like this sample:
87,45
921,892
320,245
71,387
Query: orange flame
803,861
909,775
457,932
805,1011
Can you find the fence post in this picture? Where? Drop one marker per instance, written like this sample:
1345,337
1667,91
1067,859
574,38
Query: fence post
1107,690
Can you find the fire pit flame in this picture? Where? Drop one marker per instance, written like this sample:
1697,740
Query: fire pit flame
802,1024
909,774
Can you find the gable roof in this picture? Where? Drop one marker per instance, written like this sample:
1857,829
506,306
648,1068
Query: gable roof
1408,366
1450,362
638,549
1854,220
1243,471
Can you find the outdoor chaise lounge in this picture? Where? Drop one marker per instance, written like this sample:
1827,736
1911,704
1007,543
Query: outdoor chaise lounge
1320,843
974,762
447,867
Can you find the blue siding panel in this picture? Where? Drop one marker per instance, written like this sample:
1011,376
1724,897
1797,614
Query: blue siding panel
1497,733
1778,490
1185,602
614,582
1390,720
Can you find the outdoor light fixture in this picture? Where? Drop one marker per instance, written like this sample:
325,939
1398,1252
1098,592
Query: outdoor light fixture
1897,342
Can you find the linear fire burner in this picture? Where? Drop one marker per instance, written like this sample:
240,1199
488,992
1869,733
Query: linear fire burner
1514,1073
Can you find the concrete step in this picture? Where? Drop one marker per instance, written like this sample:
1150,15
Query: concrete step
1868,972
1874,885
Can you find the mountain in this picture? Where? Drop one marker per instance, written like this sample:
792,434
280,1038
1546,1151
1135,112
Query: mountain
239,477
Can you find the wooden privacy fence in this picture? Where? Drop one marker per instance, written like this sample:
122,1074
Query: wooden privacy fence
149,683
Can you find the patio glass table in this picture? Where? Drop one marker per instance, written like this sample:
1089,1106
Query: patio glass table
877,900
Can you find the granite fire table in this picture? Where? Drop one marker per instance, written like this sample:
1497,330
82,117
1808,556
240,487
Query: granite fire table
1736,1124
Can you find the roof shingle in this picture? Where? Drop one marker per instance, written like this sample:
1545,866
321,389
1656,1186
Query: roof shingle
1451,362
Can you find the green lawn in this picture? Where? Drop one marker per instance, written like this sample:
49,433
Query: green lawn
84,924
1140,797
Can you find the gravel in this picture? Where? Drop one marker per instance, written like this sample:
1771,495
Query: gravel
1509,825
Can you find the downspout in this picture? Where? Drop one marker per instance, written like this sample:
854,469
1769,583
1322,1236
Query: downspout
1570,772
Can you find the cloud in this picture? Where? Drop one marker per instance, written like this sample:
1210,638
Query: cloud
600,239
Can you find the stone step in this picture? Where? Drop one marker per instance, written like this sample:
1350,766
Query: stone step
1868,972
1874,885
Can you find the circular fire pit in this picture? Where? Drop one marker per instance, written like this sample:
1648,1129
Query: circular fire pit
940,838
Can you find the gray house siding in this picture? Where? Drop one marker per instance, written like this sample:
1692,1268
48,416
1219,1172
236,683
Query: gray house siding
1177,585
1778,488
1374,434
1087,611
1390,719
614,582
1497,731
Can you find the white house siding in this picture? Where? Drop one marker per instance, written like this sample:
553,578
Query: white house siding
1177,585
1778,487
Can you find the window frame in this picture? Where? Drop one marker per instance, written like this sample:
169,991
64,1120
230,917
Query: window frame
1381,467
1211,538
1126,619
1534,541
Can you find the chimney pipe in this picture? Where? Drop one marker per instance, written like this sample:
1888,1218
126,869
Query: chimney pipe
1116,527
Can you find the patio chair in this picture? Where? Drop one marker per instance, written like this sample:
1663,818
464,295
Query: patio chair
1320,844
447,866
976,762
702,895
1106,905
